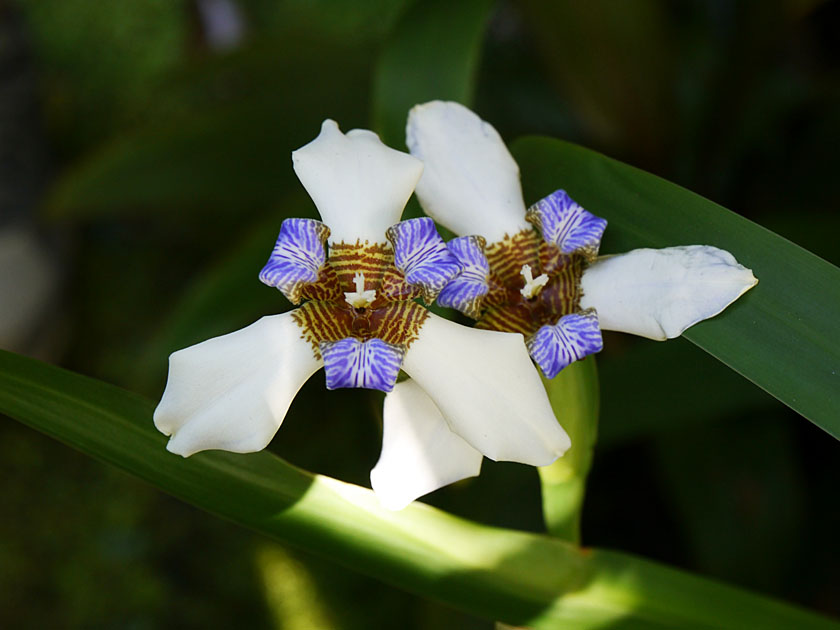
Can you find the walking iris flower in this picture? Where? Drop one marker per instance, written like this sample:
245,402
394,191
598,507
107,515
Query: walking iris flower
360,320
551,286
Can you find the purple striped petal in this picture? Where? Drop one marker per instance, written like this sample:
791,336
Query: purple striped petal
567,225
422,256
371,364
297,257
573,337
465,291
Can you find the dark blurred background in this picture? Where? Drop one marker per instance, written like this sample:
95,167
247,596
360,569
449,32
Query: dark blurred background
144,173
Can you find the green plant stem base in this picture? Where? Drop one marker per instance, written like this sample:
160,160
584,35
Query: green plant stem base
573,394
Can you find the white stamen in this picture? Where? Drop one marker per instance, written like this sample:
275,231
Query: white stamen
532,285
360,298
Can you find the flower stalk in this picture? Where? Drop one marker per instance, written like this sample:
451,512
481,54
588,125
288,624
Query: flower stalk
573,394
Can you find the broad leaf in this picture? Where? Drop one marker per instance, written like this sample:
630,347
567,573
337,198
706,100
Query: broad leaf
676,398
520,578
784,335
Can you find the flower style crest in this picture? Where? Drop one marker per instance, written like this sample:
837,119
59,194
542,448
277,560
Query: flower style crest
356,277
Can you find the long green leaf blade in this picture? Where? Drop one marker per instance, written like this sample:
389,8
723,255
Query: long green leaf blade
784,335
520,578
433,53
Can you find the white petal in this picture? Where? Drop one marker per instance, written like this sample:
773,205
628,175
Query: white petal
232,392
359,185
419,451
484,384
470,181
658,293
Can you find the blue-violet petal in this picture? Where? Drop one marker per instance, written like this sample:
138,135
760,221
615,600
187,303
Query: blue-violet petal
371,364
567,225
297,257
572,338
422,256
465,291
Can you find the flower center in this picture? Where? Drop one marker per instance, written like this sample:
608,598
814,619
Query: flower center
532,285
511,307
387,312
362,335
360,298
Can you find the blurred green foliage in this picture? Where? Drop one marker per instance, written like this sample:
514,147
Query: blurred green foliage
102,62
172,175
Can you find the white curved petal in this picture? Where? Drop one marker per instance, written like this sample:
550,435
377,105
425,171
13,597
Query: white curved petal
359,185
484,384
232,392
470,181
419,451
658,293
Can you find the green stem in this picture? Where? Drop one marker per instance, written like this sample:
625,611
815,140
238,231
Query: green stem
574,397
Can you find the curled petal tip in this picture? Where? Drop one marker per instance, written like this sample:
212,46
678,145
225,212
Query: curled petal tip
176,448
329,125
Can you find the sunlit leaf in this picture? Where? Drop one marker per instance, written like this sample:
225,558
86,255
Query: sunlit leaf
520,578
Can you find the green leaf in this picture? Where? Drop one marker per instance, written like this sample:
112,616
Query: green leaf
223,297
784,335
100,65
758,502
610,50
676,398
219,138
348,20
520,578
433,53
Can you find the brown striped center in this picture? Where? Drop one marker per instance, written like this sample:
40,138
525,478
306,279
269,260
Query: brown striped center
505,308
393,316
